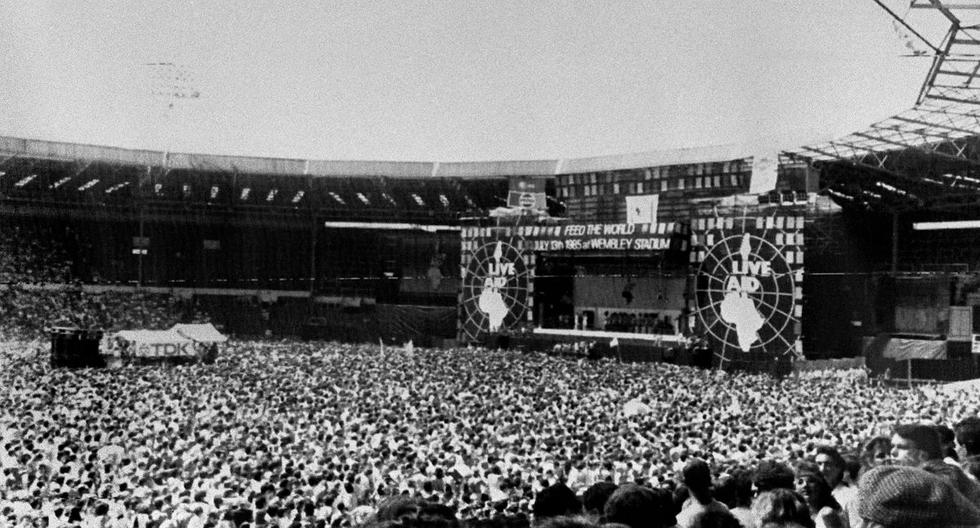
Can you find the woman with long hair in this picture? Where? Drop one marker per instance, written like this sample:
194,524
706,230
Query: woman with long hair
781,507
876,452
825,511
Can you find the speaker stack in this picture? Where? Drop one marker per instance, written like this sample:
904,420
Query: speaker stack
76,348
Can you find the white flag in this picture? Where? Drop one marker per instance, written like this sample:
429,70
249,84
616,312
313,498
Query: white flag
764,172
614,343
642,209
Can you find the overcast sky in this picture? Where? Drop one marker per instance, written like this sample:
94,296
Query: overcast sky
451,80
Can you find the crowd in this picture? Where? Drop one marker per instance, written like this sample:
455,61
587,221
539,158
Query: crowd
26,311
33,253
293,434
39,288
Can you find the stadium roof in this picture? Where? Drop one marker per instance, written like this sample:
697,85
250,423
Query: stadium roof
37,149
919,155
948,106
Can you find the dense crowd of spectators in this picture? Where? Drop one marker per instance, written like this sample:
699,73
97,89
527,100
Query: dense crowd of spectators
26,311
39,290
290,434
35,254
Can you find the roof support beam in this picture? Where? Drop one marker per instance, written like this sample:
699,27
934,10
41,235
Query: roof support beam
937,63
928,150
943,8
952,99
901,21
937,125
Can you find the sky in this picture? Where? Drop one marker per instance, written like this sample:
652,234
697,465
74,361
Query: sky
451,80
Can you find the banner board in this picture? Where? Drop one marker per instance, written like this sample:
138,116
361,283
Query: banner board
748,277
498,264
152,344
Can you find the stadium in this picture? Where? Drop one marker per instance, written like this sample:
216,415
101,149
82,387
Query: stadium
674,337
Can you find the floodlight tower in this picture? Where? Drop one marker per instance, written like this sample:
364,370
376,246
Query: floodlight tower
170,83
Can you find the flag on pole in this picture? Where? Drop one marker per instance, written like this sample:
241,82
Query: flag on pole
614,343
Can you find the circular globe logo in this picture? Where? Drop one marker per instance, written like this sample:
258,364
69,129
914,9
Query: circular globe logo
746,296
495,289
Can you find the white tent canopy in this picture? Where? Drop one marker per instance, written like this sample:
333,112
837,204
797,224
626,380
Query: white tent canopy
201,333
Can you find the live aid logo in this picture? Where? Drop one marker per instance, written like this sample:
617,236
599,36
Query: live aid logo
744,275
498,273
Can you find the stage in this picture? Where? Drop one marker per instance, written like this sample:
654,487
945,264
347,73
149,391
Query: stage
624,346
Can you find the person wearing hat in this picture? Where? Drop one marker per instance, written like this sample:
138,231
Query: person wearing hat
696,477
909,497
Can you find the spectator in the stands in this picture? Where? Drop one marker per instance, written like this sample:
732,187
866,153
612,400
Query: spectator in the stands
595,497
640,507
557,500
781,506
919,446
771,475
947,439
832,467
876,452
697,477
967,433
825,511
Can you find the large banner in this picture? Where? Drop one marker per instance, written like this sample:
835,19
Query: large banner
497,267
607,237
748,266
497,281
151,344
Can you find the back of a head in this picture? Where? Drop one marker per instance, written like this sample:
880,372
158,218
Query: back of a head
908,497
555,501
568,522
716,519
697,476
743,488
923,437
639,507
782,506
724,492
968,435
398,507
595,497
771,475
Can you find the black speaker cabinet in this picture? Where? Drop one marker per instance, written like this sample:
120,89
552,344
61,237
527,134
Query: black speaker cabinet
76,348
